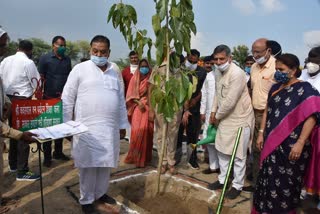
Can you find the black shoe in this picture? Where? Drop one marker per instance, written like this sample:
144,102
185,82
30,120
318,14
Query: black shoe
89,209
210,171
60,156
215,186
107,199
248,189
47,163
233,193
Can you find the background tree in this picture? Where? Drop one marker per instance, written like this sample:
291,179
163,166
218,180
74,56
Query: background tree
84,49
12,48
239,54
73,51
40,47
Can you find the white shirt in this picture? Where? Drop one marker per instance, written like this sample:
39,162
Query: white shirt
96,99
19,75
314,81
207,94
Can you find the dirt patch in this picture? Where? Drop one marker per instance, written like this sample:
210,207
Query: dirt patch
171,203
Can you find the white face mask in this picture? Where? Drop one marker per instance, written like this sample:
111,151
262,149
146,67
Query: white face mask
261,60
312,67
222,68
133,68
191,67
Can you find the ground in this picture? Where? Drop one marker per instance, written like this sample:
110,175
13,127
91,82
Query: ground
61,188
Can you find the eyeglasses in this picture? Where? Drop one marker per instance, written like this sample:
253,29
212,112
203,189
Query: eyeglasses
258,52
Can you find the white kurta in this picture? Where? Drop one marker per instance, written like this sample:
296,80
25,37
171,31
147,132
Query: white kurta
314,81
207,97
232,104
96,99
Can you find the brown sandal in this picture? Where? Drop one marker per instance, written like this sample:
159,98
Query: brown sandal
163,169
172,170
4,209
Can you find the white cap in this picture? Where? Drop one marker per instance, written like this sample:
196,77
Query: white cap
2,32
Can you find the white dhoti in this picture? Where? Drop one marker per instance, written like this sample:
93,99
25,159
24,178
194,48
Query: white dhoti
94,183
239,166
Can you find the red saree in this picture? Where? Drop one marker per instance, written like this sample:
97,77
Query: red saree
141,139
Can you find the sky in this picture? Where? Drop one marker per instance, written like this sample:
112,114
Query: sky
293,23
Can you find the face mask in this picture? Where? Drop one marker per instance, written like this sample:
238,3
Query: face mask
222,68
61,50
312,67
190,66
247,69
281,77
99,61
144,70
261,60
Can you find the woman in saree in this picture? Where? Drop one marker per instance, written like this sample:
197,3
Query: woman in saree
291,115
141,140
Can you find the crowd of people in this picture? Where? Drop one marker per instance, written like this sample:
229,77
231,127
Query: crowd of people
270,96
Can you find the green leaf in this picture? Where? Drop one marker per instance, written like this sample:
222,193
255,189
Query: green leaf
125,10
188,16
116,18
162,7
175,11
130,41
157,79
185,81
176,26
111,11
156,23
181,94
178,47
194,83
132,14
190,88
193,28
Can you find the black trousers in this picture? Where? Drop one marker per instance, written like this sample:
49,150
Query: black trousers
19,155
18,150
48,150
192,131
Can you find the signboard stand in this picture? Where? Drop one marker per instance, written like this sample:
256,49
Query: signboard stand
39,150
31,114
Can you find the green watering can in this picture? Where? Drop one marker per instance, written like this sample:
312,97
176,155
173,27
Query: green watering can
211,136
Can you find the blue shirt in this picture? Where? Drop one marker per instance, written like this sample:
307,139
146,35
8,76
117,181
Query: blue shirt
55,72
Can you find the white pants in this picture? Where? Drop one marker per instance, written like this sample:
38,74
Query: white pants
94,183
213,157
212,152
239,166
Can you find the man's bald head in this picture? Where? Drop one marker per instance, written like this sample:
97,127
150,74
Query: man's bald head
262,42
260,51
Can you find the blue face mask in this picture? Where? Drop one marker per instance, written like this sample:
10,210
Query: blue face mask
144,70
247,70
99,61
281,77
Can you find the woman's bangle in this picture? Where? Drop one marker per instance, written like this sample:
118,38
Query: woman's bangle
261,130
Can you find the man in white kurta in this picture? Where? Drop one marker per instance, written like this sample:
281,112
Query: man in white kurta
207,96
231,110
94,96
